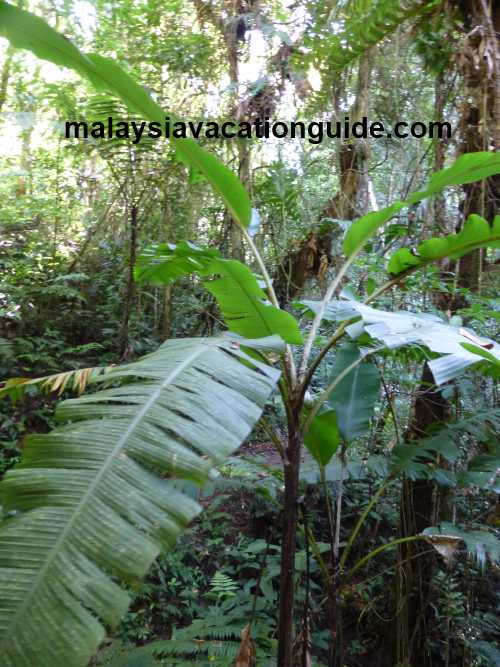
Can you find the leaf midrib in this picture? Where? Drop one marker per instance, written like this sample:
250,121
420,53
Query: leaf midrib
252,299
103,470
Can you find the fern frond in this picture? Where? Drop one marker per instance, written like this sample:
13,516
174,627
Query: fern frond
222,585
5,348
89,504
360,24
180,653
418,460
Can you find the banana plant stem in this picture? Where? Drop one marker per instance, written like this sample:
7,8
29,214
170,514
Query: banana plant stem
290,362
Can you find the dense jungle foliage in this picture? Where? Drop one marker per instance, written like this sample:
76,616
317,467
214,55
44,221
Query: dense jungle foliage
249,403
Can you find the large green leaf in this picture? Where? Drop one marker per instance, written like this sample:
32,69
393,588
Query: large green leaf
323,438
354,398
92,503
164,263
466,169
402,327
476,233
242,301
27,31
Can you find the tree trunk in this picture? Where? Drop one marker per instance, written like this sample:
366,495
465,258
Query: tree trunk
290,515
440,151
130,289
166,319
313,256
352,199
418,510
5,75
480,121
420,498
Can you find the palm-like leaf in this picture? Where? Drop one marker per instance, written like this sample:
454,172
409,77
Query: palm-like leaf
90,503
366,24
77,380
341,36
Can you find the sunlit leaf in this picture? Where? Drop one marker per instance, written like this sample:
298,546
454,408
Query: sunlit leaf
476,233
243,302
466,169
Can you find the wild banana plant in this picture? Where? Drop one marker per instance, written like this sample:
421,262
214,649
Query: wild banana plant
93,503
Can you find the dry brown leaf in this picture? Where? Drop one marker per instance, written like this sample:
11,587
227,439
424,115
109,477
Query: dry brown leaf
246,651
445,545
481,342
302,646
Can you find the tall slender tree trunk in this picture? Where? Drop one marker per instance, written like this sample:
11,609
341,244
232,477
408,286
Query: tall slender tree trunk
440,150
480,119
166,318
353,197
418,510
5,75
130,288
290,517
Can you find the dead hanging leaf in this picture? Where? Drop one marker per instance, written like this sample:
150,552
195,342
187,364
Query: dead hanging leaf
302,645
246,651
55,383
482,342
323,269
445,545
